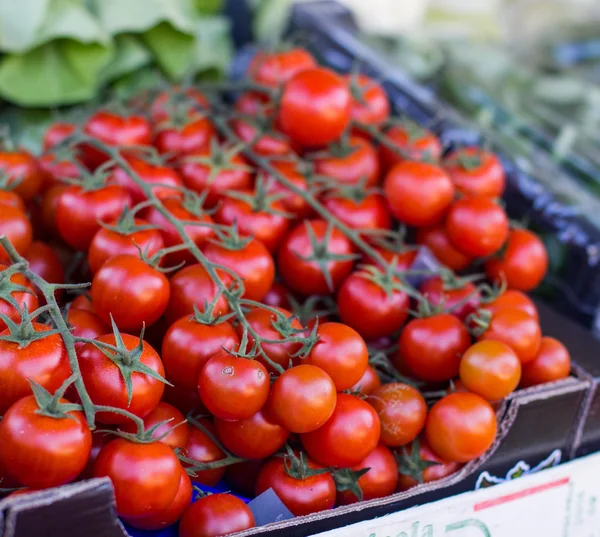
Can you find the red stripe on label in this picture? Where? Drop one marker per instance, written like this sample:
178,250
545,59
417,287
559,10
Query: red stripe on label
521,494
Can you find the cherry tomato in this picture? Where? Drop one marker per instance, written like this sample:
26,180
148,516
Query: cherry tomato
365,214
133,292
15,225
55,171
457,298
414,143
292,202
431,347
368,383
233,388
461,427
298,258
255,104
277,297
165,105
402,412
216,515
82,302
301,496
256,437
145,477
315,96
41,451
99,440
24,299
476,172
85,324
341,352
350,434
265,141
380,481
47,210
43,360
202,448
551,363
105,384
56,133
302,398
436,239
523,264
477,227
178,430
44,262
512,299
418,193
174,141
370,104
518,330
22,170
276,68
402,257
12,199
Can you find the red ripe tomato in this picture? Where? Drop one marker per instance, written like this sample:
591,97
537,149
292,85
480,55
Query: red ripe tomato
79,212
43,360
40,451
55,171
44,262
12,199
301,496
47,210
315,107
418,193
380,481
252,262
437,471
457,298
166,103
414,143
277,297
518,330
56,133
188,345
302,398
202,448
85,324
551,363
233,388
512,299
299,259
368,383
173,511
105,383
256,437
15,225
523,264
255,104
266,141
370,104
461,427
193,285
477,227
145,477
22,170
403,258
402,412
262,218
436,239
108,243
347,437
113,130
354,163
82,302
275,68
23,299
431,347
261,321
216,515
476,172
133,292
215,171
174,141
490,369
365,214
369,309
165,182
293,203
178,429
341,352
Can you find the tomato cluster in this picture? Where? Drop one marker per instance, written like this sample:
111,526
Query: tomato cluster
257,310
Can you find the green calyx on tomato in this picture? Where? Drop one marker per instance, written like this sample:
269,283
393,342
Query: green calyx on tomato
261,199
50,405
126,223
24,332
410,462
220,159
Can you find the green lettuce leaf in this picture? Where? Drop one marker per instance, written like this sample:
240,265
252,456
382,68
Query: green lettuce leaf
130,55
173,50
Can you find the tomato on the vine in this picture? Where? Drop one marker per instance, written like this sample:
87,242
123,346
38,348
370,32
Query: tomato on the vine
178,430
370,104
23,299
15,225
22,172
44,262
364,213
164,106
56,171
476,172
368,383
85,324
56,133
174,140
202,448
436,239
459,298
48,206
412,142
512,299
294,203
551,363
275,68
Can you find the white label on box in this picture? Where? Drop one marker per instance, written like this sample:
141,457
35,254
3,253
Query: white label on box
558,502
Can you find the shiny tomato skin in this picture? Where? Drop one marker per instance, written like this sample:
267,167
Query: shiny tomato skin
174,142
490,369
275,68
47,210
370,104
23,171
368,383
233,388
265,143
56,133
55,171
305,276
164,105
413,147
253,263
277,297
366,215
483,178
513,299
12,199
293,202
86,324
301,496
44,262
82,302
178,430
518,330
202,448
477,227
79,212
132,291
461,427
366,307
15,225
145,477
347,437
106,386
418,193
315,96
380,481
436,239
551,363
523,264
341,352
44,360
302,399
23,299
216,515
41,451
403,259
361,163
402,411
256,437
431,348
460,301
